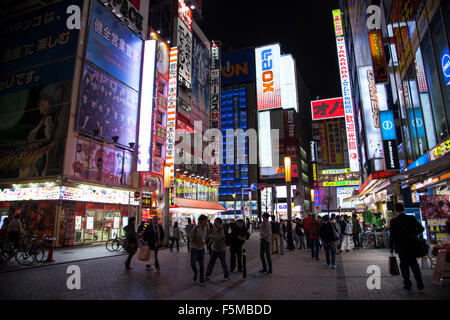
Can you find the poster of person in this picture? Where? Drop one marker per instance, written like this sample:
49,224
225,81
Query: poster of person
33,124
435,207
200,81
37,217
108,106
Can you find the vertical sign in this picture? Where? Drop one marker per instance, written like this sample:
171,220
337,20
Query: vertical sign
324,143
389,140
215,109
337,23
288,78
171,111
146,106
184,43
378,56
268,84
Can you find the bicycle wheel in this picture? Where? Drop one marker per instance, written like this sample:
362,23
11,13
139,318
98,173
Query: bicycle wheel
40,255
24,257
110,245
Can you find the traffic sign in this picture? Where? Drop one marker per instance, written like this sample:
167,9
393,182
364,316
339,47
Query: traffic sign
262,186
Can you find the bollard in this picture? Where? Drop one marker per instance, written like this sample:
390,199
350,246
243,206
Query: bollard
50,251
244,264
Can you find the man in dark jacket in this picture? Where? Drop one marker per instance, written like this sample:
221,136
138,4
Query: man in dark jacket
153,237
131,240
403,229
329,237
238,236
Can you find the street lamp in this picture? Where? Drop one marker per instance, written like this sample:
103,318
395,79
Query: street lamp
166,203
287,171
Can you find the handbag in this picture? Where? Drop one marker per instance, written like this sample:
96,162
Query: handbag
143,254
393,266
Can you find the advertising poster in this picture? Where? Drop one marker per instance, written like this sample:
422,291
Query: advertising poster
238,67
171,112
200,81
184,43
327,109
378,56
345,192
33,125
435,207
37,49
327,198
114,48
215,116
391,159
324,143
37,217
108,106
268,83
102,163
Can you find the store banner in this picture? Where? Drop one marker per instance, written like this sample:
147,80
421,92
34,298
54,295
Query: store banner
327,109
215,113
324,143
238,67
268,82
378,56
391,159
108,106
439,151
184,43
171,112
445,65
200,98
114,48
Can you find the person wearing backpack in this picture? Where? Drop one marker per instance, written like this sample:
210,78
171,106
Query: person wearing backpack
347,234
329,234
356,231
275,228
335,221
300,232
198,237
314,236
237,239
217,235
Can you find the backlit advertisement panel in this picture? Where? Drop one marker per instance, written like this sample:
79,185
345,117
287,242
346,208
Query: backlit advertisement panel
146,107
345,192
200,81
337,23
238,67
378,56
184,43
215,115
268,83
114,48
388,133
289,97
264,138
327,109
348,105
171,111
373,100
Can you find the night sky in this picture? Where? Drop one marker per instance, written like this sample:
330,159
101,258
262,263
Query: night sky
303,28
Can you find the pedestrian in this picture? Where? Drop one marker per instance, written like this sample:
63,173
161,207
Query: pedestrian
208,240
329,235
289,237
4,230
300,234
15,230
342,225
198,236
248,225
264,252
188,228
175,237
282,236
402,229
217,236
314,236
306,227
238,236
356,231
141,227
153,237
337,226
131,241
275,228
348,233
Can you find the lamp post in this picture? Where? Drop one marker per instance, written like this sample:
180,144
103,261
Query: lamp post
287,170
166,203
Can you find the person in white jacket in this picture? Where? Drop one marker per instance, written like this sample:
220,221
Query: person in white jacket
347,233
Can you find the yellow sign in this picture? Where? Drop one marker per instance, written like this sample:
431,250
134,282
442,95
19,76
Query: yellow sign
341,183
337,23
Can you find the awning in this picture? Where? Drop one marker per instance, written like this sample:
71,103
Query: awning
207,206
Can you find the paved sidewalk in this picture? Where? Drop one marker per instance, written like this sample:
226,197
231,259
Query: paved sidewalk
296,277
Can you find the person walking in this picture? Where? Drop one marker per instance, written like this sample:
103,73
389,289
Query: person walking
141,227
300,232
198,236
329,235
188,230
348,233
131,241
15,230
175,237
356,231
282,236
153,237
289,236
342,225
217,236
248,225
306,227
264,252
275,228
403,229
314,236
239,234
337,226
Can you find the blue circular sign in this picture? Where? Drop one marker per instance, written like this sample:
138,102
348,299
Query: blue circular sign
254,187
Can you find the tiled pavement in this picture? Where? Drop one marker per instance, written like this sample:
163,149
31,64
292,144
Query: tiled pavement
296,277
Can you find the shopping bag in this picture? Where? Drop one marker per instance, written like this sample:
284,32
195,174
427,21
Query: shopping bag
143,254
393,266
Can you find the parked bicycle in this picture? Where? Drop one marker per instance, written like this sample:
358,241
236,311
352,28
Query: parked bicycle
115,244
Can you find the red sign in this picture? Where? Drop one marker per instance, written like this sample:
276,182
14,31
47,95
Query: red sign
327,109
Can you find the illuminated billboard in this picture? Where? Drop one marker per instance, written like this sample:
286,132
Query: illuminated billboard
374,100
171,111
341,183
335,171
146,106
268,84
184,43
288,77
337,23
327,109
352,144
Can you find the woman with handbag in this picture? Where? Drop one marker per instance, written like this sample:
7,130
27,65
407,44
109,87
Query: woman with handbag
131,241
403,238
175,237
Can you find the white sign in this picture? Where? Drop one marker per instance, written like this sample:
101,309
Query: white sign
78,222
281,191
171,112
89,223
374,100
146,106
282,207
184,44
116,222
345,192
268,85
348,105
288,77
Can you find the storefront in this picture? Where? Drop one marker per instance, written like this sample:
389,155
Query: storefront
193,209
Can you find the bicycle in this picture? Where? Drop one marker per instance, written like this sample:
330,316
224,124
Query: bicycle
115,244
